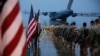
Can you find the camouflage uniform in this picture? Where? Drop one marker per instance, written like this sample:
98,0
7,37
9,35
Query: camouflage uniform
73,31
83,41
72,36
96,50
65,32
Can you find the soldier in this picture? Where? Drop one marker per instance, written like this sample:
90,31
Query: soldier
83,39
72,35
62,31
67,24
92,35
65,33
56,30
97,39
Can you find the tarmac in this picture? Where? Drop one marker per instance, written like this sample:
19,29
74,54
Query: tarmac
47,47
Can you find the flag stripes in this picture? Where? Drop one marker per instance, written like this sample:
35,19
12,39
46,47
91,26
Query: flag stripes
31,26
13,33
13,44
12,17
31,31
7,8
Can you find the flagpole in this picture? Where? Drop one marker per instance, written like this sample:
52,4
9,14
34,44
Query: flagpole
37,42
37,34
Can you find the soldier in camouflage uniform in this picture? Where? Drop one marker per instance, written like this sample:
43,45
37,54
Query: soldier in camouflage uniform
62,28
65,31
55,31
92,35
72,35
96,51
59,31
83,39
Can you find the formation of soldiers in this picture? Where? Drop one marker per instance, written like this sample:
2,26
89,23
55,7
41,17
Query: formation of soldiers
85,36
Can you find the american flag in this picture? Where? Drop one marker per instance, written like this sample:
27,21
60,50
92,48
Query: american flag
13,35
32,26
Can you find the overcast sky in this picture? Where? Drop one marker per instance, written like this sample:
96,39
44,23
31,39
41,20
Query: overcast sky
59,5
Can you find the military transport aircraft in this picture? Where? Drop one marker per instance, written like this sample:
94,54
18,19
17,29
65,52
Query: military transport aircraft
61,17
